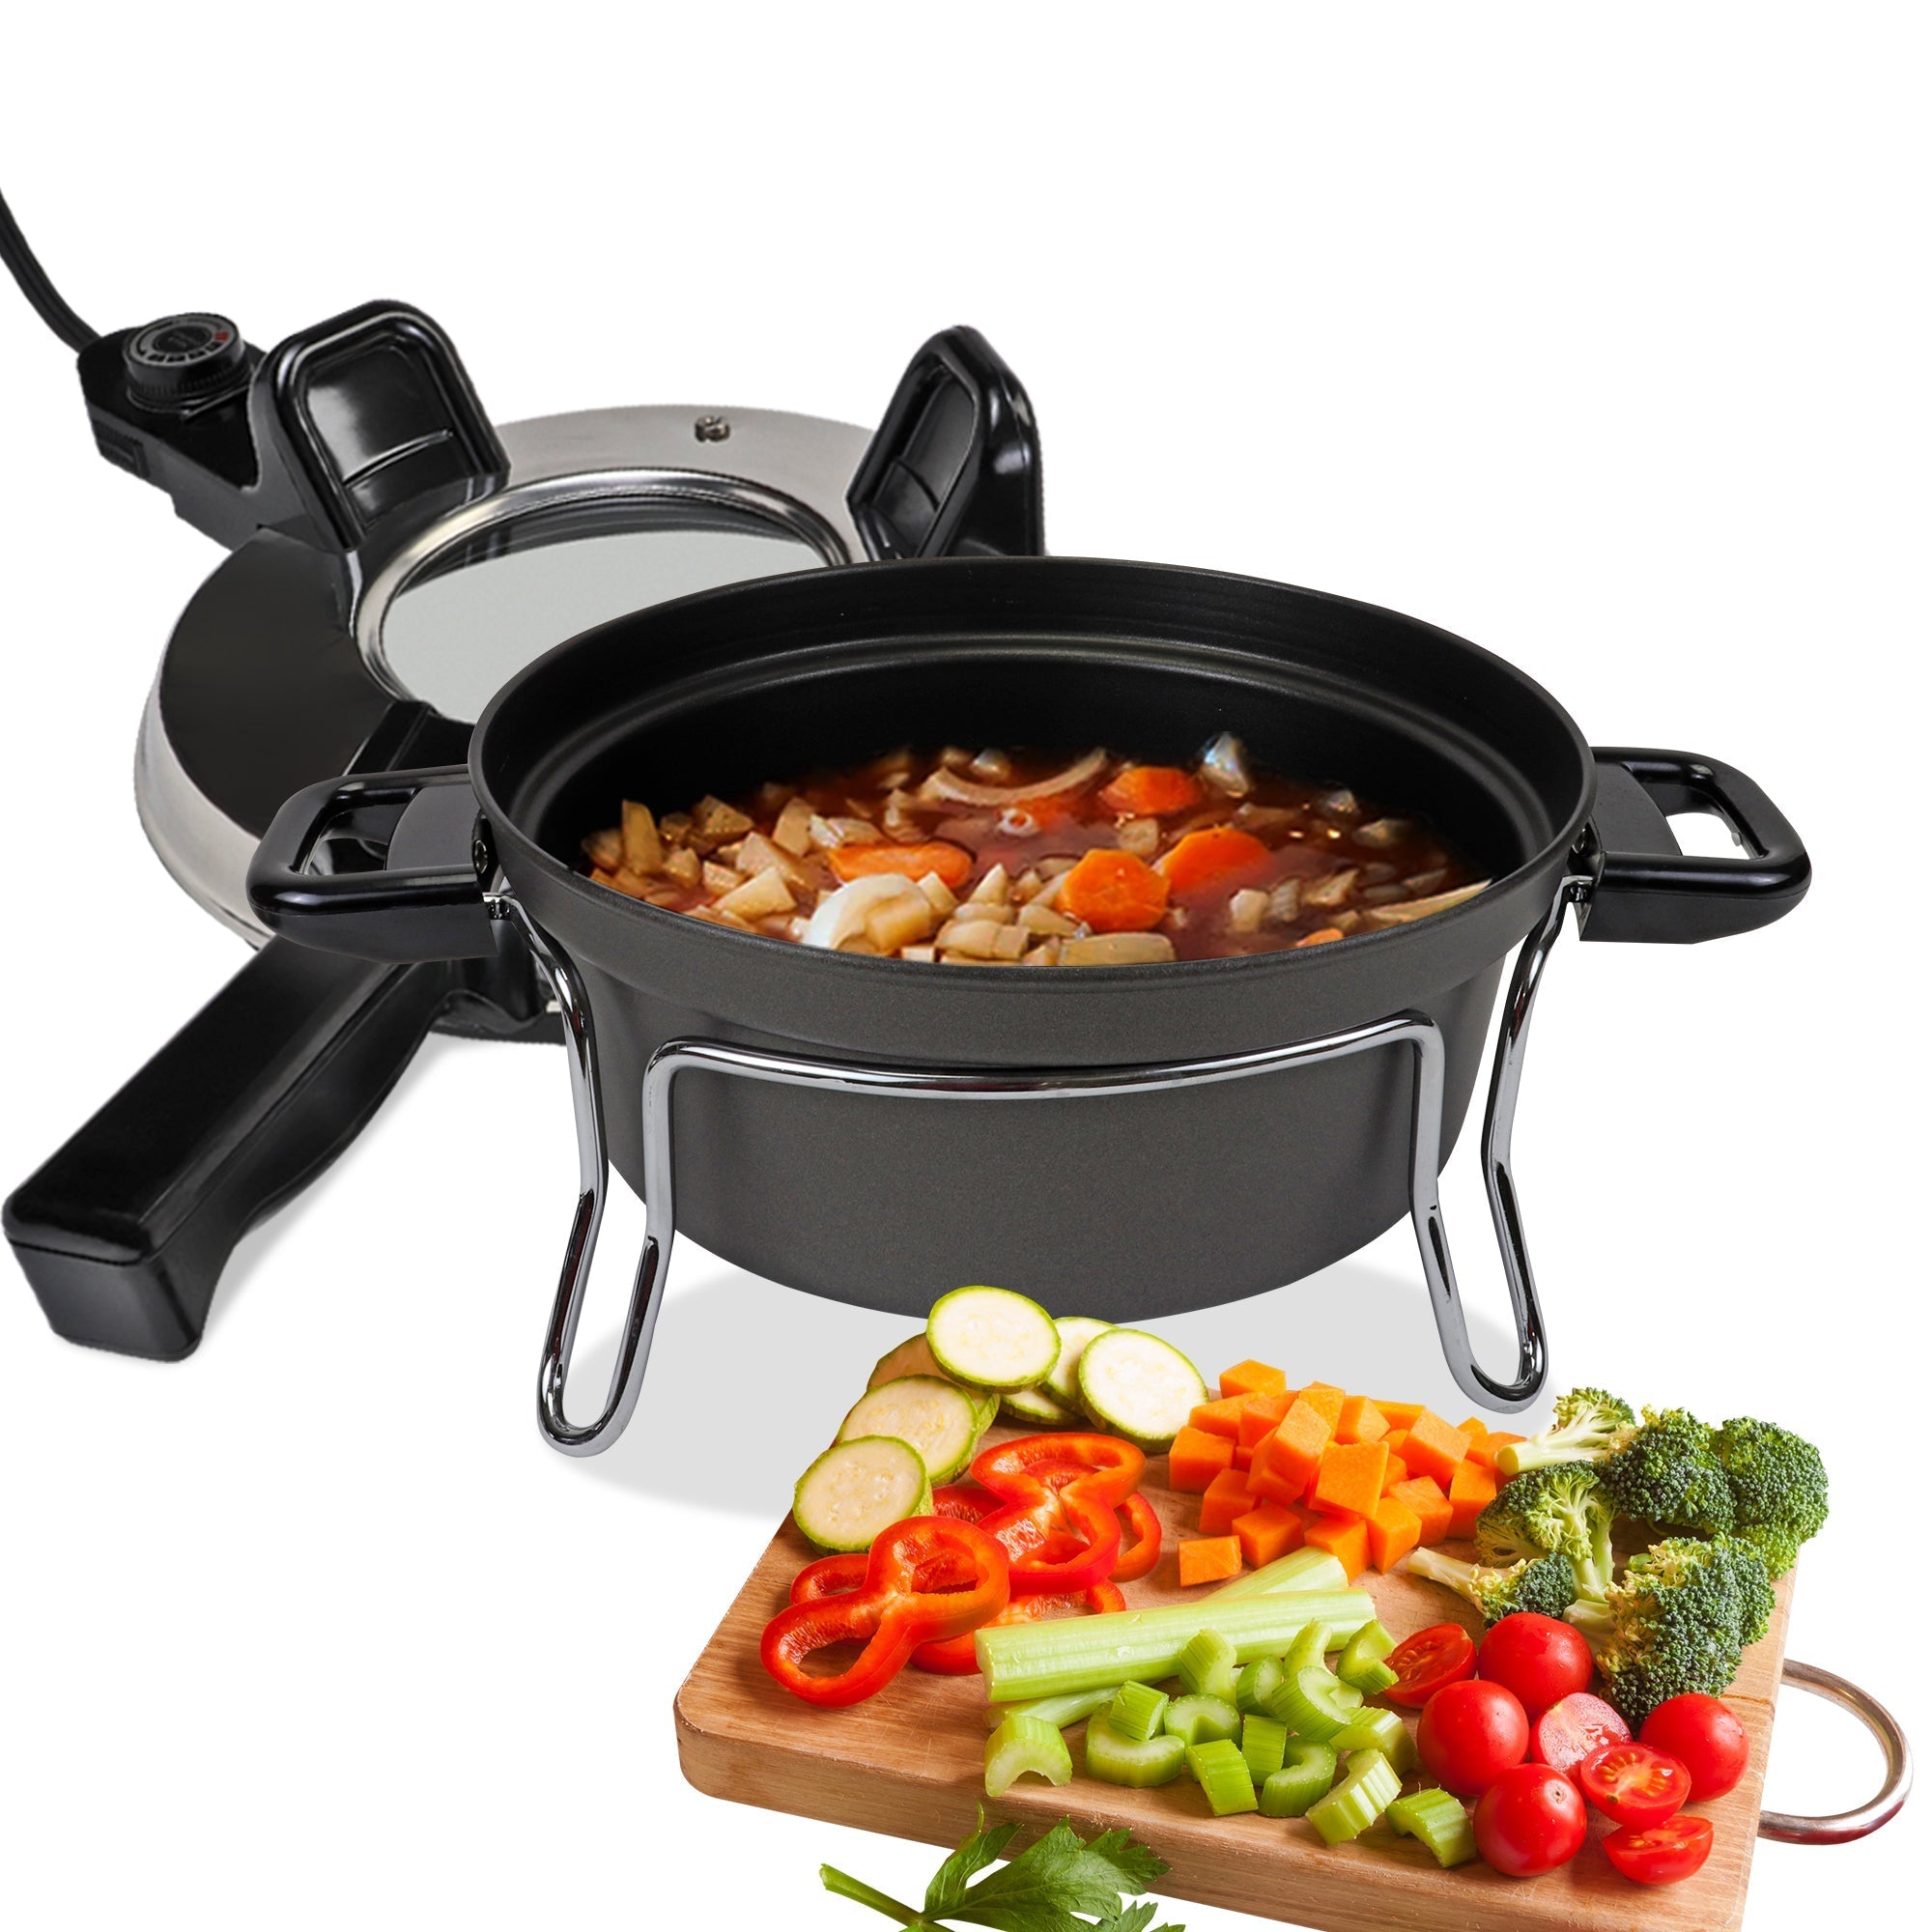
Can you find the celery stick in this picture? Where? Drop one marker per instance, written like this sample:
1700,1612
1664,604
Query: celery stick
1198,1719
1253,1686
1137,1710
1310,1647
1298,1570
1022,1745
1263,1744
1059,1712
1208,1666
1027,1661
1307,1771
1222,1774
1361,1663
1370,1788
1310,1703
1439,1819
1117,1760
1378,1730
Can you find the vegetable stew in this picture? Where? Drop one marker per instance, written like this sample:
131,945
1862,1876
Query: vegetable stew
1008,858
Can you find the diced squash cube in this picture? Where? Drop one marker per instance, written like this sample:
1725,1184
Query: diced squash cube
1394,1530
1344,1538
1268,1531
1431,1504
1350,1477
1208,1559
1361,1421
1433,1448
1225,1498
1219,1418
1486,1450
1197,1459
1252,1379
1471,1490
1285,1463
1396,1472
1400,1414
1244,1458
1395,1438
1328,1399
1260,1415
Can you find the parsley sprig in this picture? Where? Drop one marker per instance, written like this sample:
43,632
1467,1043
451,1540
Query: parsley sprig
1062,1884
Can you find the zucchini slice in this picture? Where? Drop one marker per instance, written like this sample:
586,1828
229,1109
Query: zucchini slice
1075,1332
1138,1386
914,1358
859,1488
1038,1408
992,1337
937,1417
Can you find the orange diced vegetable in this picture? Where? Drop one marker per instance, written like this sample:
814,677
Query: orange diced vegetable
952,863
1433,1448
1328,1399
1260,1415
1486,1449
1219,1418
1431,1505
1252,1379
1471,1490
1150,791
1113,892
1223,1499
1326,936
1268,1531
1285,1463
1208,1559
1395,1438
1197,1459
1400,1415
1396,1472
1361,1421
1211,857
1351,1477
1244,1458
1346,1538
1394,1530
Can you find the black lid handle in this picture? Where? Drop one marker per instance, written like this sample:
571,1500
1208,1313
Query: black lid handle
954,467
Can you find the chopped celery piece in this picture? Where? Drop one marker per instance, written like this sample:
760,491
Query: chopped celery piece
1361,1662
1310,1702
1059,1712
1196,1720
1262,1743
1137,1710
1022,1745
1383,1731
1044,1659
1307,1771
1208,1666
1117,1760
1310,1647
1370,1788
1253,1686
1439,1819
1222,1774
1298,1570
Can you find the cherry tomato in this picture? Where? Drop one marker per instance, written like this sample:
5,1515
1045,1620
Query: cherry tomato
1633,1783
1471,1733
1704,1735
1655,1854
1571,1728
1541,1659
1423,1664
1530,1820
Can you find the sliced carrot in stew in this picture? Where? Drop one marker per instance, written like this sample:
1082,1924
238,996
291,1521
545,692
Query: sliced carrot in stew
1150,791
1114,892
1323,937
952,863
1215,853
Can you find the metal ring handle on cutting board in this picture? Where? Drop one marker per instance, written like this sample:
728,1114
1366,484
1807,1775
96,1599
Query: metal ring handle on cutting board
1792,1828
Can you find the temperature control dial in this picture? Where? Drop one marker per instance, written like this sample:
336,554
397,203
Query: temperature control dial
184,360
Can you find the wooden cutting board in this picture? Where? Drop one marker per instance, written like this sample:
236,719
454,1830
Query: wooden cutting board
910,1762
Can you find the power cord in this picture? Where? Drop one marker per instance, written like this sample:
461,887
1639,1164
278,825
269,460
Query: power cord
36,288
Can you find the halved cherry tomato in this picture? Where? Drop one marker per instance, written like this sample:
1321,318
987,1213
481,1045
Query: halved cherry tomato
1541,1659
1530,1820
1470,1734
1633,1783
1423,1664
1660,1854
1704,1735
1571,1728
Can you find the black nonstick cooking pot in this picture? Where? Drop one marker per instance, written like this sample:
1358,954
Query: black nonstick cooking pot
1280,1125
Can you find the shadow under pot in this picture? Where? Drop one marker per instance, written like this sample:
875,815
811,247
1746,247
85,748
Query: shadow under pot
1129,1140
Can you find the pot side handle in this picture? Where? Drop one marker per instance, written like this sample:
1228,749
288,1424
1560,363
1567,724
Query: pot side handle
1648,889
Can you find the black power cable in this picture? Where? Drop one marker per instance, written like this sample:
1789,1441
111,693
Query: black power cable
36,287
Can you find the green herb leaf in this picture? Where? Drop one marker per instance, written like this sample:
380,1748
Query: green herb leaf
1134,1919
983,1849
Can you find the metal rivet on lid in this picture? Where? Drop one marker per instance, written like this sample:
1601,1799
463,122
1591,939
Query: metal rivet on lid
711,428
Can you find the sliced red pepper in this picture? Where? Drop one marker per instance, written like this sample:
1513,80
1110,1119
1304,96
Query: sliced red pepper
955,1656
1140,1538
968,1502
925,1579
1058,1527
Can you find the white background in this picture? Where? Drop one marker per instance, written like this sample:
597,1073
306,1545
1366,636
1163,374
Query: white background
1594,334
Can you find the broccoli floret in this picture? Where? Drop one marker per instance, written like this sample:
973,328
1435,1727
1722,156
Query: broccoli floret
1668,1474
1558,1509
1589,1424
1543,1584
1778,1485
1679,1620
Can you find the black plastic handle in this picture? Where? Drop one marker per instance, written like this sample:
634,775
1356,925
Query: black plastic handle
953,470
1649,889
125,1231
412,859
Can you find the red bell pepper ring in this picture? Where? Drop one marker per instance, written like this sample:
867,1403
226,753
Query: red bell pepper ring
1139,1555
968,1502
955,1656
1058,1527
901,1602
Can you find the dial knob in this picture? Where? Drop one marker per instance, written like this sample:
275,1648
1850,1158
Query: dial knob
184,360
